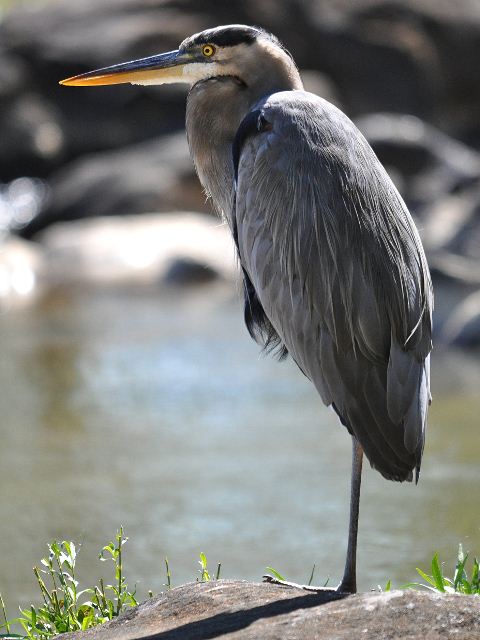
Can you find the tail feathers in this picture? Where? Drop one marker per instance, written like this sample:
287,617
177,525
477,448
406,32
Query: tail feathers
366,416
408,394
387,418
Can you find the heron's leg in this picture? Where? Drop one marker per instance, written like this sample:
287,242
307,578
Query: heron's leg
349,580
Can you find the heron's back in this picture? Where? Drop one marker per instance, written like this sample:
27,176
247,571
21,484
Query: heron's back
336,270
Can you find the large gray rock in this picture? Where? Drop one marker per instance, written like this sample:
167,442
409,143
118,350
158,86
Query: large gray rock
233,609
151,249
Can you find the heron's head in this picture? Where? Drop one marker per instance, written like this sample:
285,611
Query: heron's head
246,54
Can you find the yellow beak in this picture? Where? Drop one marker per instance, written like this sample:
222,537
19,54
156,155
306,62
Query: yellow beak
160,69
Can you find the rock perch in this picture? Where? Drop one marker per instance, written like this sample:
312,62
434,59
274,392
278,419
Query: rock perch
236,609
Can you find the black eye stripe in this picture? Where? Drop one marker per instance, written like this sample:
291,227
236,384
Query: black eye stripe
227,37
230,36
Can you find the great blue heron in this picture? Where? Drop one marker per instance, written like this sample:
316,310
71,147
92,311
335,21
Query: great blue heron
333,267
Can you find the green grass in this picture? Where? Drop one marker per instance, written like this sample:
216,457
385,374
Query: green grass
462,581
65,607
276,574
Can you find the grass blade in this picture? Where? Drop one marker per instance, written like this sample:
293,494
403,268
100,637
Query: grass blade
169,575
4,611
311,576
426,577
276,574
437,574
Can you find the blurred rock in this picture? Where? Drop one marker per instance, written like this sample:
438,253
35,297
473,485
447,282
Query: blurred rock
431,164
451,229
111,150
320,84
55,40
409,57
453,225
185,271
439,179
462,327
417,57
136,250
32,137
453,267
152,176
13,73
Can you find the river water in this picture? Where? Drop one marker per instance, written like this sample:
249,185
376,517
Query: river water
155,411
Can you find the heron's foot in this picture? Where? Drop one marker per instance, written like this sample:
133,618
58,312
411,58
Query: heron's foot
305,587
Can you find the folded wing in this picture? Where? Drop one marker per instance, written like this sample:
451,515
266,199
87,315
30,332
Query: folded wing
335,272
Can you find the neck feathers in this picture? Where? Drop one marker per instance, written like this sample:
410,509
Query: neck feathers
217,106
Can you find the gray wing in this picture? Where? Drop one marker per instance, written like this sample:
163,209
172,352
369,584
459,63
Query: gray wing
335,271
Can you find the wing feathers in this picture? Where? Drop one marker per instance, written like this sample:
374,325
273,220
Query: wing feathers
336,265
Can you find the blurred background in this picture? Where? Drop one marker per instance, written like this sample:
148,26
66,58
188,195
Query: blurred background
131,392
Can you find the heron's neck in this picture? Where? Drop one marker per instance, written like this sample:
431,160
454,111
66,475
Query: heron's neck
215,109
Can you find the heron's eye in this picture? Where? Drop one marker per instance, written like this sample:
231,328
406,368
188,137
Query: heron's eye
208,50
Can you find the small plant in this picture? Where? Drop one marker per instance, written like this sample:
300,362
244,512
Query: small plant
124,598
205,576
310,580
460,583
276,575
169,575
65,607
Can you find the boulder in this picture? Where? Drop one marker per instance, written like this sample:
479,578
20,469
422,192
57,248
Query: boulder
187,271
150,176
462,327
431,165
248,611
148,249
451,232
453,224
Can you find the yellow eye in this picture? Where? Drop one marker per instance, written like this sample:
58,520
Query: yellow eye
208,50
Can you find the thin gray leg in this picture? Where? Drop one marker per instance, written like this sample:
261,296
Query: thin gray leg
349,580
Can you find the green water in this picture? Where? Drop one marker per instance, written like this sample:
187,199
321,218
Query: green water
155,411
